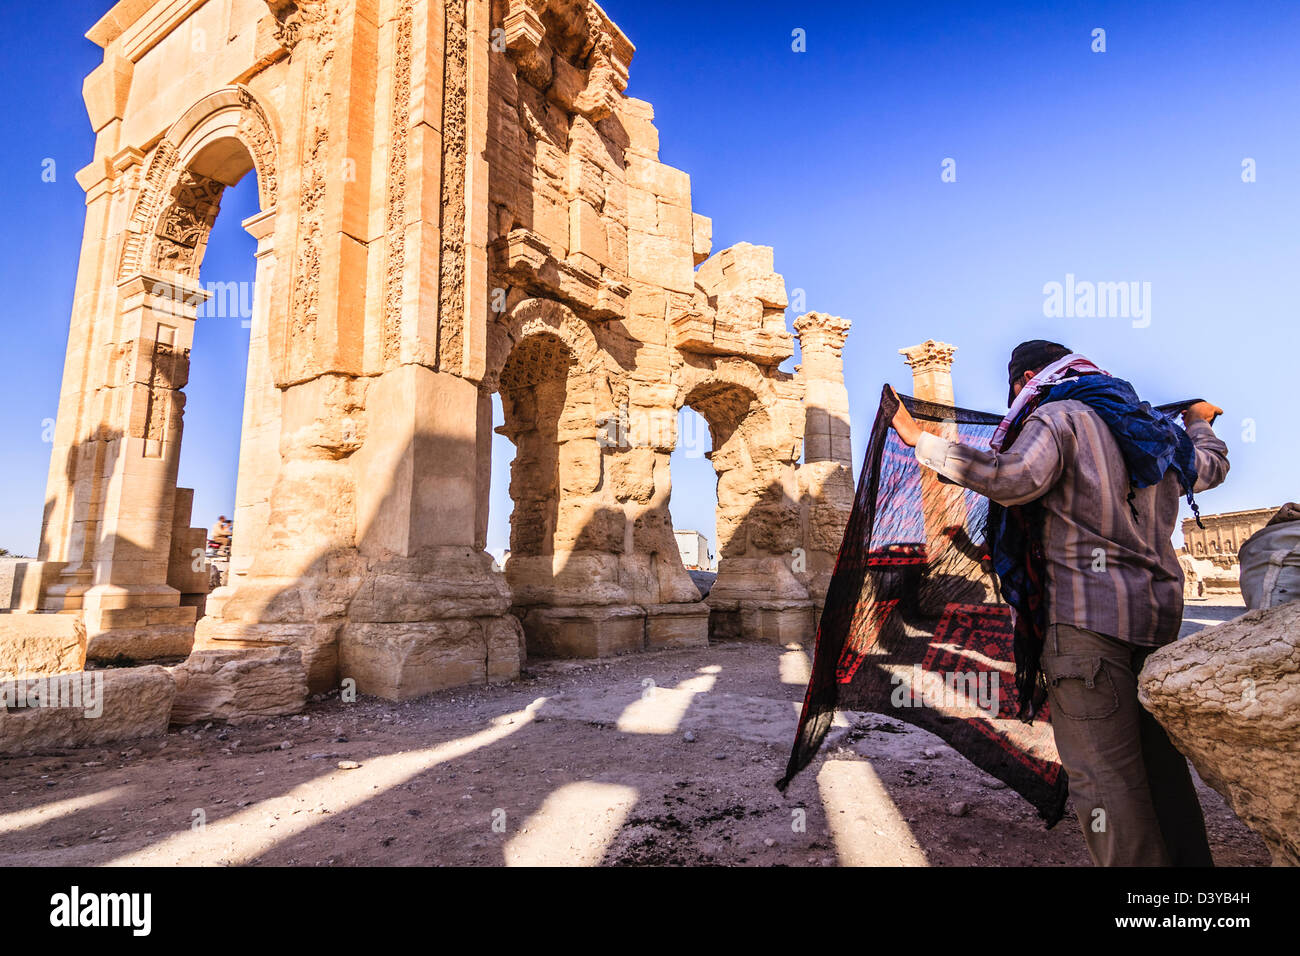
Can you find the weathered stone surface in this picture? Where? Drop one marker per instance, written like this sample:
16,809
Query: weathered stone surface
1229,697
33,644
403,660
233,683
112,705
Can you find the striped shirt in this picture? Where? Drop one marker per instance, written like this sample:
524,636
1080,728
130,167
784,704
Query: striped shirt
1107,571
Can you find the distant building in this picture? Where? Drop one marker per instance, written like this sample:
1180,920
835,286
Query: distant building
1223,534
694,549
1209,555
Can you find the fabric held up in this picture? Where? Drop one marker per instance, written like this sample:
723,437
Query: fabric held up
915,627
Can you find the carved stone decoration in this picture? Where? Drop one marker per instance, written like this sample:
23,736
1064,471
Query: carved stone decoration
929,356
606,81
168,373
155,219
395,214
186,222
255,133
455,165
313,176
146,207
296,20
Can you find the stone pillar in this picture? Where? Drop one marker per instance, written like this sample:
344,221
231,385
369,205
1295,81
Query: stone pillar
931,364
943,503
129,608
826,400
826,476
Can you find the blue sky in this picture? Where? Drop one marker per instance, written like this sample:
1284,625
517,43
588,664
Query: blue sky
1122,166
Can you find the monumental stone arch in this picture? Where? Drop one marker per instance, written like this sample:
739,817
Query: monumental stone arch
458,199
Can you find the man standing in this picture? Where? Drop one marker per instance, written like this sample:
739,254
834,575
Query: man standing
1090,478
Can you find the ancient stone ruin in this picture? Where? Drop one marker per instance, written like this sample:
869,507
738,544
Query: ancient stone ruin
1229,697
457,199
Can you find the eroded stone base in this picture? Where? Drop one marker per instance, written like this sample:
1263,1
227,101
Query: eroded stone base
584,631
774,622
406,659
677,625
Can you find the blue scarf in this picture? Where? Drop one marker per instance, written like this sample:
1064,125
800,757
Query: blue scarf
1151,442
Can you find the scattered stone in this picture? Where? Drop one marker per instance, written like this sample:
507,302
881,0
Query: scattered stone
958,808
348,765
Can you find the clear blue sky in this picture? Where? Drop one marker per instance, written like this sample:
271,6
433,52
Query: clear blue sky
1116,166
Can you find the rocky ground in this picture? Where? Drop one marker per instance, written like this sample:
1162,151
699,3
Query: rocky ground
666,758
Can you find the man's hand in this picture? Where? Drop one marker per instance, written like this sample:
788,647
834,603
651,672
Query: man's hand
1201,412
909,432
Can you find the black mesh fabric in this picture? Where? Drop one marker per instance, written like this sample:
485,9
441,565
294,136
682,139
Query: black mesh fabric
913,626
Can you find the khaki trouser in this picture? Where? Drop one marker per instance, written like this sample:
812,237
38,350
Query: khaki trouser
1131,789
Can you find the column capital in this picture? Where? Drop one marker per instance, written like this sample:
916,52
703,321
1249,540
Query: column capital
819,326
929,356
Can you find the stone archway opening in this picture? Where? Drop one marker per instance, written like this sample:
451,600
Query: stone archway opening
694,504
757,526
217,409
533,389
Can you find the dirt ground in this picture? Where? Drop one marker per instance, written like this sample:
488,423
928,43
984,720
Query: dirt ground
665,758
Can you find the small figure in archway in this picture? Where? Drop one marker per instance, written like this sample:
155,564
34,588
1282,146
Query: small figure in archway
222,534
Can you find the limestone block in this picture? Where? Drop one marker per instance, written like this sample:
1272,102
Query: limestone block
99,707
24,584
1229,697
584,632
701,237
41,644
580,466
404,660
633,474
141,633
105,90
778,623
669,184
747,268
671,626
662,261
239,683
637,117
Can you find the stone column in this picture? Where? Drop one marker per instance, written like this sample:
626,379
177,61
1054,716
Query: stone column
129,608
826,476
931,364
944,504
